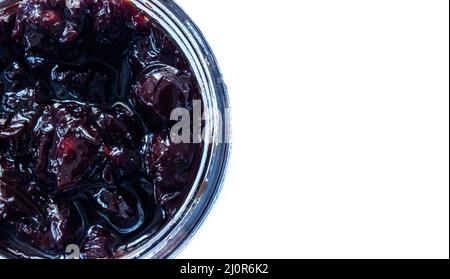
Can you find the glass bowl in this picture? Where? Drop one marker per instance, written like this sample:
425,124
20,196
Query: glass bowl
175,234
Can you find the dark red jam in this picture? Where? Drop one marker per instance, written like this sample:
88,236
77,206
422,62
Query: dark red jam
86,92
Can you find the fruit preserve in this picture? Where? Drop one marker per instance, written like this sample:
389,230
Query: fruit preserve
87,88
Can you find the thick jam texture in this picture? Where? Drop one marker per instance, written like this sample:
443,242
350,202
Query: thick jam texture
86,92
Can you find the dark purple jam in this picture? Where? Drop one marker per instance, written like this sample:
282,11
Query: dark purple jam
86,92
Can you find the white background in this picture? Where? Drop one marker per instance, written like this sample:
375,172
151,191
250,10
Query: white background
340,129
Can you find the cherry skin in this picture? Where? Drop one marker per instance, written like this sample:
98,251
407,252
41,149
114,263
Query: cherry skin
98,243
169,165
160,91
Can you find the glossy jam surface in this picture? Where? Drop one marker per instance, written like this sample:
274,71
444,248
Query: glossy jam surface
86,92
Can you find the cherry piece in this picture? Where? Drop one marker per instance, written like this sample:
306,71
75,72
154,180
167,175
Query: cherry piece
98,243
70,160
159,92
168,164
51,233
121,125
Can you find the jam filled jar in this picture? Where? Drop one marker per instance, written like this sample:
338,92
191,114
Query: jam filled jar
113,129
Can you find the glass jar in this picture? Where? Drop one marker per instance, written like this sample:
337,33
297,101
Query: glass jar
168,241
